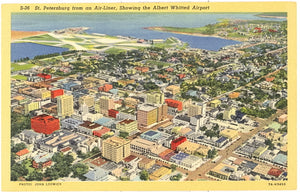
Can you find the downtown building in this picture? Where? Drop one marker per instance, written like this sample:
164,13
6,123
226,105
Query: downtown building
128,125
149,115
65,105
104,104
45,124
115,149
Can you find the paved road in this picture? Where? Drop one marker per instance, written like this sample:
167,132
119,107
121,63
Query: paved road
200,172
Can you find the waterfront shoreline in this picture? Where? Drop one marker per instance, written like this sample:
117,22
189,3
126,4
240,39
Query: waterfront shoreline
15,35
192,34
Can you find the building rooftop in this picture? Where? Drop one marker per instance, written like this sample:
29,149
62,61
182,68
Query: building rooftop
180,156
44,118
249,164
103,120
146,161
224,169
116,141
96,175
43,157
22,152
126,121
130,158
90,125
280,159
98,162
147,108
275,126
274,172
262,169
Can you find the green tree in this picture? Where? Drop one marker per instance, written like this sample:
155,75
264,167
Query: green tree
203,128
20,169
35,176
18,147
123,134
173,167
79,170
144,175
220,116
281,104
14,175
19,123
51,173
95,150
270,144
211,153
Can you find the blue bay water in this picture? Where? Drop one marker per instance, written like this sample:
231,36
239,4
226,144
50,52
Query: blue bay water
133,25
22,50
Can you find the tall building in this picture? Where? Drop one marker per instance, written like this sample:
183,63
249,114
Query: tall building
86,99
56,92
177,141
174,104
65,105
162,112
128,125
115,149
155,98
31,107
197,109
146,115
104,104
174,89
45,124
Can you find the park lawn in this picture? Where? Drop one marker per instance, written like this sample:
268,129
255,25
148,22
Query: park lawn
45,37
17,67
68,46
88,46
114,51
162,45
46,43
19,77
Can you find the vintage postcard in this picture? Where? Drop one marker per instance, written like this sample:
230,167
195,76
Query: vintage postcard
149,96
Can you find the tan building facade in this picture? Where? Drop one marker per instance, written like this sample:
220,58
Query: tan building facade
86,99
65,105
104,104
155,98
129,126
146,116
115,149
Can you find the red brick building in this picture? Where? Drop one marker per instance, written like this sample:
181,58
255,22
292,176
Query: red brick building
57,92
101,132
112,113
105,87
41,161
45,124
174,103
44,75
178,141
274,172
